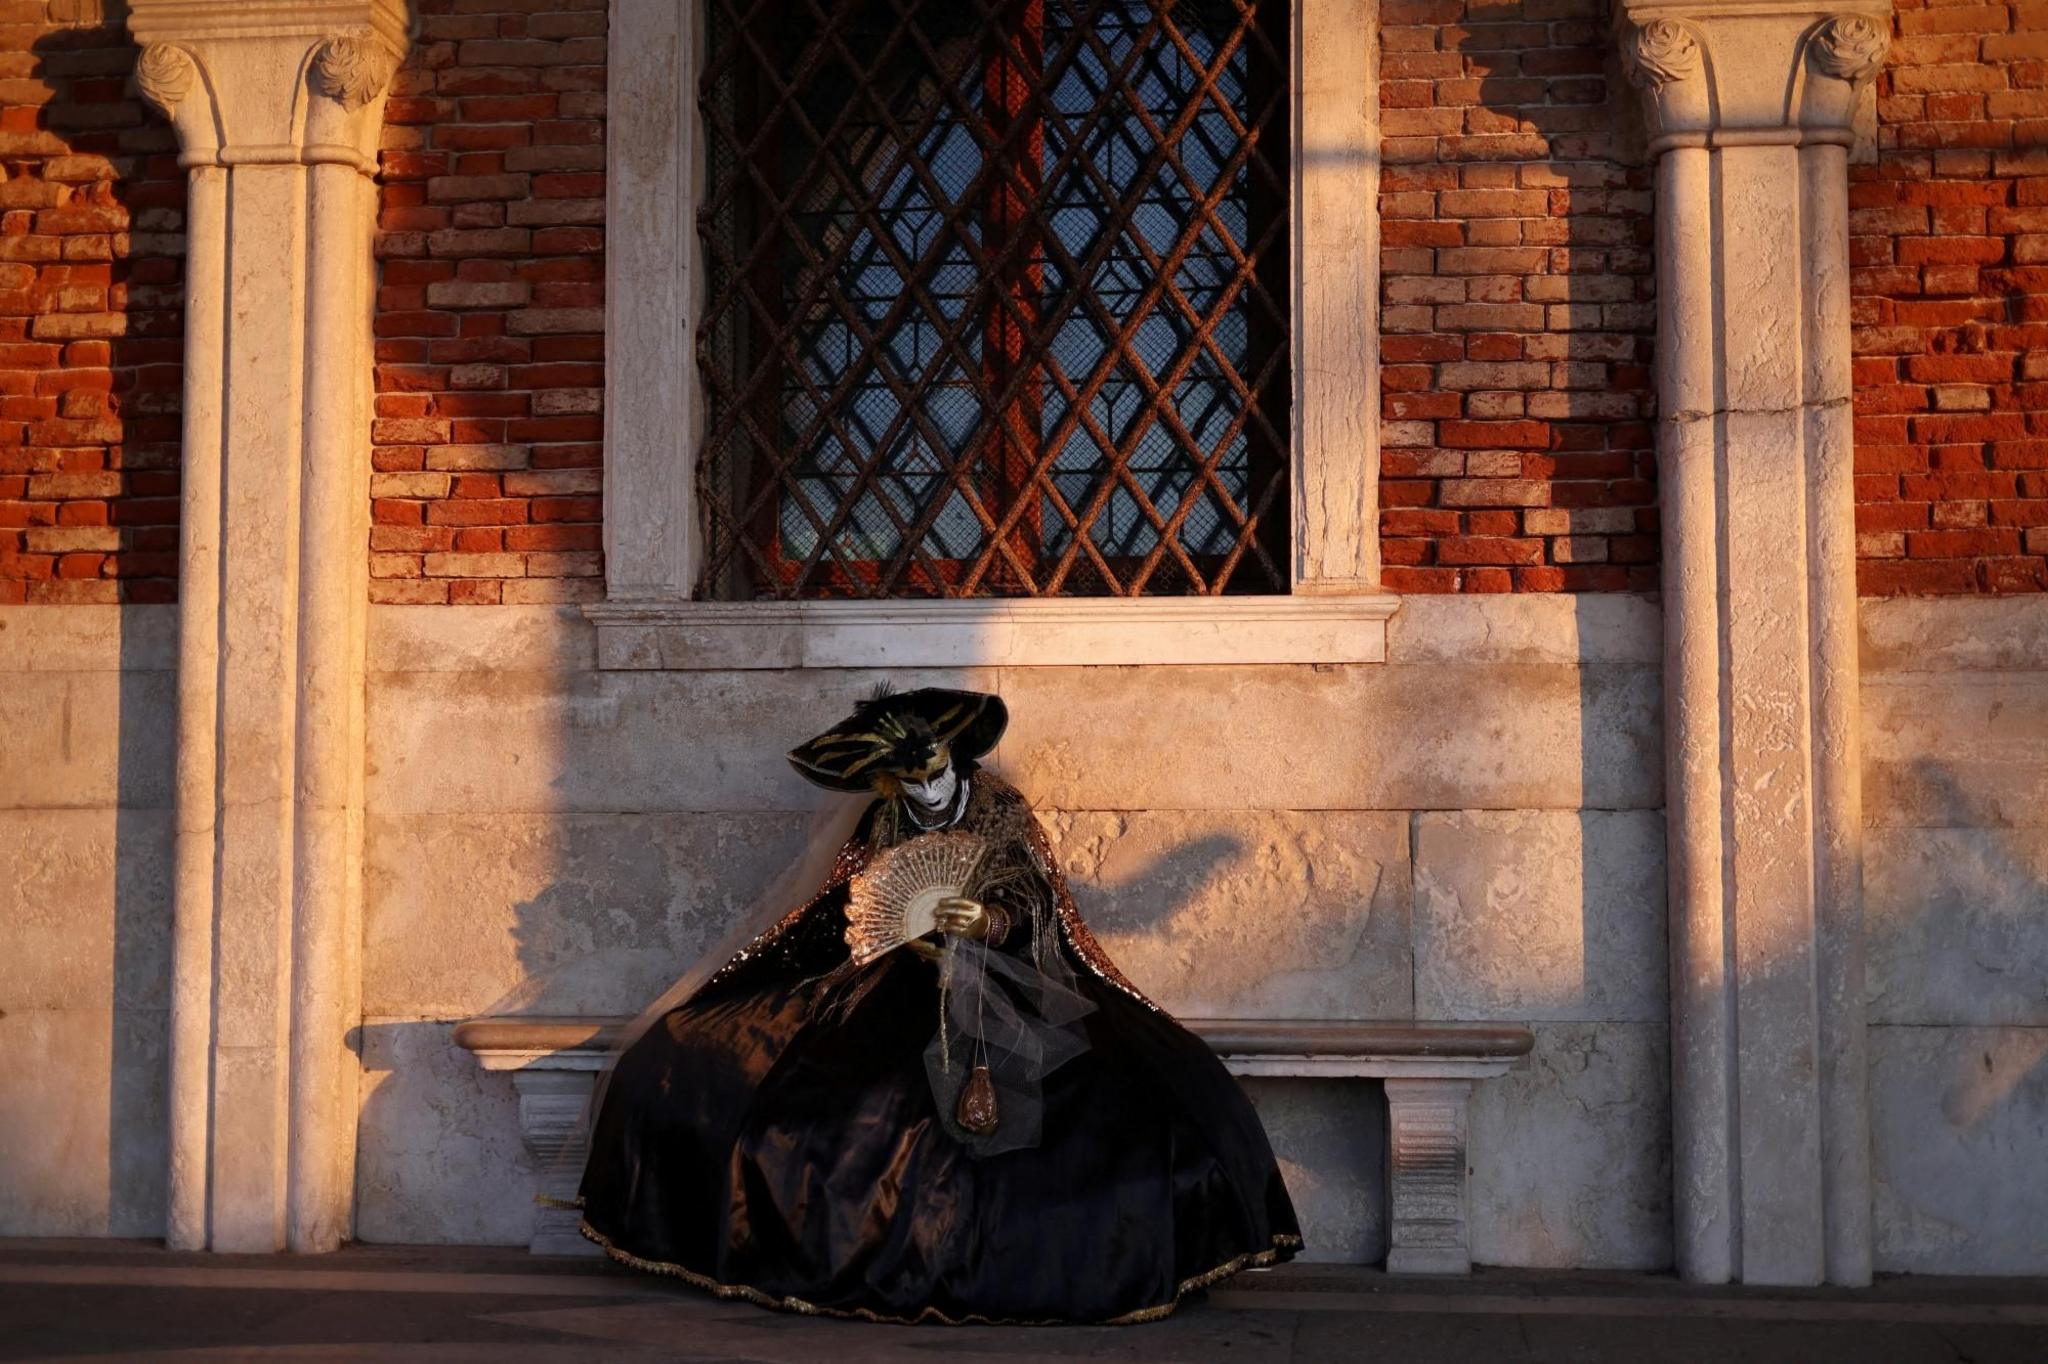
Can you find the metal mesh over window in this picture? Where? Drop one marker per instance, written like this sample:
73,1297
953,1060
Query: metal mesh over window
995,298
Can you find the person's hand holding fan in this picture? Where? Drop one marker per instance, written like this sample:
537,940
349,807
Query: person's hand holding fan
913,891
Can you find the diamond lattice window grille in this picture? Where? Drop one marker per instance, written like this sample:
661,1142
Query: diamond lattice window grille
995,298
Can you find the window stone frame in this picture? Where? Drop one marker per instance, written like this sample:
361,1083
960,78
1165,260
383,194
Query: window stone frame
1336,611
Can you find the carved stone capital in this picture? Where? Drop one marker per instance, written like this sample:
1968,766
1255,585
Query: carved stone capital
1659,52
1850,47
164,76
1720,73
255,85
354,68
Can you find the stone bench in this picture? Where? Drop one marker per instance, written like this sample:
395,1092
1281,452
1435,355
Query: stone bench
1427,1068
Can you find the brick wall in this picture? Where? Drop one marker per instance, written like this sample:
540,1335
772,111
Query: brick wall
1518,305
1950,243
91,270
490,344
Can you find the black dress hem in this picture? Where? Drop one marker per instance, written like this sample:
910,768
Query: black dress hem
1284,1244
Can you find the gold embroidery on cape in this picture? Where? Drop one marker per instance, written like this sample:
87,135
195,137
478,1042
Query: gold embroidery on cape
1282,1243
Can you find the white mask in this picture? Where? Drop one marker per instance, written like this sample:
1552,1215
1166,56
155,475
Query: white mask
935,796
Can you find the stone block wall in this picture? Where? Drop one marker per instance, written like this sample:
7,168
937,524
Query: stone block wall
1950,247
490,313
1955,780
86,703
1474,833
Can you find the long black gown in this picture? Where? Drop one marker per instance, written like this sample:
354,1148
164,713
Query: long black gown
752,1147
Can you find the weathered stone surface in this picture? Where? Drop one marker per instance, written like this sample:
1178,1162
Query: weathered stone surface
554,914
1958,926
82,1121
85,845
1571,1152
1959,1139
439,1158
88,638
1956,750
1504,736
1377,737
86,740
592,742
85,910
1247,913
1585,627
1953,634
1330,1139
411,639
1527,914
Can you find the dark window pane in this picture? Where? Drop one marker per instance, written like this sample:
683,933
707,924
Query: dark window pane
996,298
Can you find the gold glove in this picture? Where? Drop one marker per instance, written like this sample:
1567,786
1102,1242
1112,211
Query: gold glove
956,917
964,917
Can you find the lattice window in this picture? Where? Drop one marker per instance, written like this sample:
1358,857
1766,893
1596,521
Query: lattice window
995,298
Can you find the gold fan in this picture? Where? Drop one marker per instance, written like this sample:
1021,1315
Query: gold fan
896,899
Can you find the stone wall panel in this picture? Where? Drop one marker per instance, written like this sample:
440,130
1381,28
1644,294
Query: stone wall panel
1959,1122
1249,913
1958,925
1948,751
595,742
86,741
83,1121
439,1157
1571,1152
554,914
1380,737
1540,914
85,908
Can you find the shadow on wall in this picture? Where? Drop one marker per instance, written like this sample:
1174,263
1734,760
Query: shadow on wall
96,262
145,846
611,905
100,269
1957,905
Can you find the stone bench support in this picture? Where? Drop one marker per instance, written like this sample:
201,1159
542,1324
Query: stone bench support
1428,1070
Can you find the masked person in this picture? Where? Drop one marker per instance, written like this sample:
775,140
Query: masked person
985,1123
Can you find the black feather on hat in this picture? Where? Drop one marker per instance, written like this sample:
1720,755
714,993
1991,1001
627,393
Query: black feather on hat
893,735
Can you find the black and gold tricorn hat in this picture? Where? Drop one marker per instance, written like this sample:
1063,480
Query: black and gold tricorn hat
899,735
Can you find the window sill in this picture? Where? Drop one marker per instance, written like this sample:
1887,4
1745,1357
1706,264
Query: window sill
1069,632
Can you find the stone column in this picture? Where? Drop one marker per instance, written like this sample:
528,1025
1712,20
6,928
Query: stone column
277,109
1750,111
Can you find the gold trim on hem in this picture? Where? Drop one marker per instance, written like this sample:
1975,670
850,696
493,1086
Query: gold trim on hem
1282,1242
562,1204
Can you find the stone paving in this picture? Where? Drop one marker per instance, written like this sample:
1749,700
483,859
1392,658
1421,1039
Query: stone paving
117,1301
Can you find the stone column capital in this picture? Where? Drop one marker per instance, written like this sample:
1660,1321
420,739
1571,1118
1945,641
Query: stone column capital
1732,73
268,84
